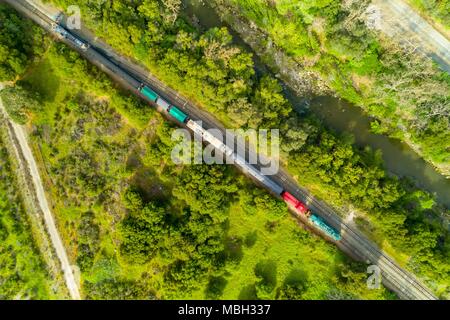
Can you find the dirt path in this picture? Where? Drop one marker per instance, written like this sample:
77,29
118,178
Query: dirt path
399,21
19,134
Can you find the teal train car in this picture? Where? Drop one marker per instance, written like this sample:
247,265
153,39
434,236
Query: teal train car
149,93
322,225
178,114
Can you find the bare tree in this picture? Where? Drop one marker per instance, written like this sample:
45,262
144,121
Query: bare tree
172,10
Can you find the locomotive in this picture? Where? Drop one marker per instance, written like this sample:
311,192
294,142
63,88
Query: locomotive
63,33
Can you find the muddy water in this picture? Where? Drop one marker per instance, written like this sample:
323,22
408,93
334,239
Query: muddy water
344,118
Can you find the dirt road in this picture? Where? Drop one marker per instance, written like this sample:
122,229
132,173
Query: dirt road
399,21
19,134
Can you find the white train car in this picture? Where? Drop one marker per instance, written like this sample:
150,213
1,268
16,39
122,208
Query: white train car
251,170
237,159
194,126
240,162
207,136
219,145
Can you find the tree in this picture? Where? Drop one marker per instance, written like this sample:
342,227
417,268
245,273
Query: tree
269,100
294,286
266,203
207,189
244,114
88,240
141,233
291,291
17,43
215,287
266,272
19,102
294,135
172,10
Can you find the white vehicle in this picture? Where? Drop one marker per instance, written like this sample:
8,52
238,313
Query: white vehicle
222,147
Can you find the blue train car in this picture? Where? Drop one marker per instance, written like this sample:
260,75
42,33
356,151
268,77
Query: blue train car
322,225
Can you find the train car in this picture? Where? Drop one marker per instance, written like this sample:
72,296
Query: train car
251,170
84,46
228,151
208,137
299,206
178,114
255,173
219,145
163,104
148,93
240,161
274,187
322,225
59,17
194,126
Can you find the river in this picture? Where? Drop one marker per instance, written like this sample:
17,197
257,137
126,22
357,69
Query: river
344,118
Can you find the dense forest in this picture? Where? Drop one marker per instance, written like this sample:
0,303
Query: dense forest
24,273
18,43
208,69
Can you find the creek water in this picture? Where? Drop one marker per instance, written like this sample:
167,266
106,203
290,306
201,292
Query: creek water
344,118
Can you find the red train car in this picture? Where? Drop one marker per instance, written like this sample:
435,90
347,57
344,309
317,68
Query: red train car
299,206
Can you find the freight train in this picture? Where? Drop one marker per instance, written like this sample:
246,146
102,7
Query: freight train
296,205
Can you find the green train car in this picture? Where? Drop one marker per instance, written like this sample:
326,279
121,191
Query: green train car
149,93
154,97
178,114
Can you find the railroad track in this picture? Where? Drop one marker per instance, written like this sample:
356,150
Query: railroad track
371,251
